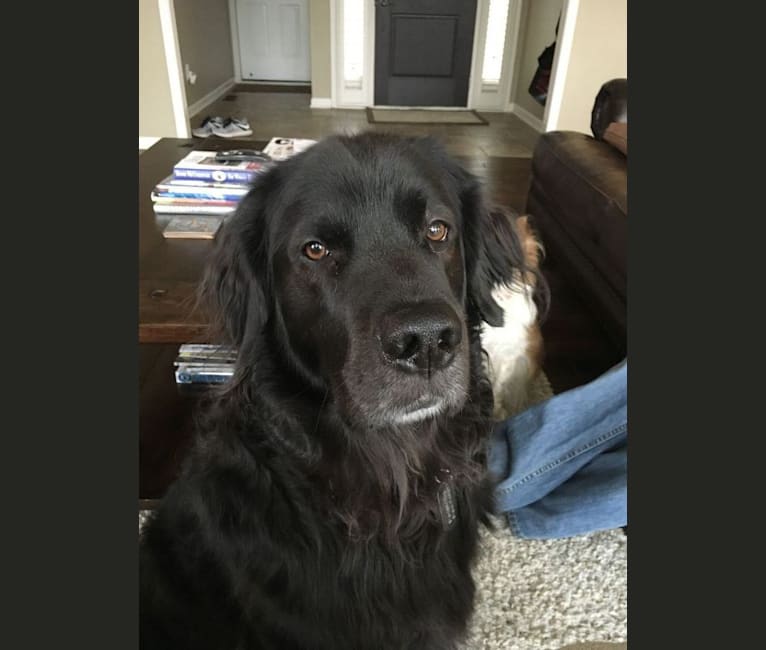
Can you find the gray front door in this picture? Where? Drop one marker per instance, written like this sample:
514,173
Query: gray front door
423,52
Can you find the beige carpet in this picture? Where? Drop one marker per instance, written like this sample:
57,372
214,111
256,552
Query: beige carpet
549,594
422,116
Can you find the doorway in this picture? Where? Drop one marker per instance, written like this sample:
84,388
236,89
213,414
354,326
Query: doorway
273,40
423,51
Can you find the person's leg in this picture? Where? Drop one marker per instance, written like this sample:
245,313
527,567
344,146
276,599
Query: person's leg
582,432
595,498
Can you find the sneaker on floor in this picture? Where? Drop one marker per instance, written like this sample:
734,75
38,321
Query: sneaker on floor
206,128
233,128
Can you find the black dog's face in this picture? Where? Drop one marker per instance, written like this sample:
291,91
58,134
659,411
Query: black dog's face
357,251
369,282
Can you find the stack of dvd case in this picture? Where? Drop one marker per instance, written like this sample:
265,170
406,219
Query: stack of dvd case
199,363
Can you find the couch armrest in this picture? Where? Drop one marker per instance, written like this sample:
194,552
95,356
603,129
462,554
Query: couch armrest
611,105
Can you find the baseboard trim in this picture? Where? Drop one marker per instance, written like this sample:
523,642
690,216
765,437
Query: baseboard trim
144,142
525,116
321,102
249,86
211,97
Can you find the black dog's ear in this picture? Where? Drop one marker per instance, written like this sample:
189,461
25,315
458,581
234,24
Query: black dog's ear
492,245
234,287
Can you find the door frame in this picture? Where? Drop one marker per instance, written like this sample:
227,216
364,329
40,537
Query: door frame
345,95
560,64
494,97
351,95
478,97
173,64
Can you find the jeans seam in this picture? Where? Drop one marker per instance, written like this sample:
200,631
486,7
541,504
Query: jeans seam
513,524
572,454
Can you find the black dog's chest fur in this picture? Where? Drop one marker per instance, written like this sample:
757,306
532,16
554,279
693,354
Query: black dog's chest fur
280,574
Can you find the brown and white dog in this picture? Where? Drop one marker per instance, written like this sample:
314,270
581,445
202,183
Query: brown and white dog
515,350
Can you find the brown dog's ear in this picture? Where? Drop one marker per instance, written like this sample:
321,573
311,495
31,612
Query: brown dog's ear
493,252
500,248
233,289
493,247
530,244
504,250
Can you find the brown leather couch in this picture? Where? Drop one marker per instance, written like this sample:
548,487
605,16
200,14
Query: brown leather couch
578,201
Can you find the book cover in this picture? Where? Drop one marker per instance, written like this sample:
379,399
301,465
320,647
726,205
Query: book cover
283,148
192,227
202,165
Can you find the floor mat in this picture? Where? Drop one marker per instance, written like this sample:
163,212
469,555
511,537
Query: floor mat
423,116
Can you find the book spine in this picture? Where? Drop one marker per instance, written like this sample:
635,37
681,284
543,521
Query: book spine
196,185
185,377
207,347
173,208
236,176
202,194
170,200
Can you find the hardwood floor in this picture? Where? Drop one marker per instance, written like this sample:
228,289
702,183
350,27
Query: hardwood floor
273,114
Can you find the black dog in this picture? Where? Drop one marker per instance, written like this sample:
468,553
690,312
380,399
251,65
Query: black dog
334,497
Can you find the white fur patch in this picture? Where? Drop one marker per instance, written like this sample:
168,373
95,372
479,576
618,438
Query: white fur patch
419,414
509,368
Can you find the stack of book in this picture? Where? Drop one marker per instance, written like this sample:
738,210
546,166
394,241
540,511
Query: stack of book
204,188
201,185
199,363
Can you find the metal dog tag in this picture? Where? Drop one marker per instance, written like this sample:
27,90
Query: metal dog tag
447,507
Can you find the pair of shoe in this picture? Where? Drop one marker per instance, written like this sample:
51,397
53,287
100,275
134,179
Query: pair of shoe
231,127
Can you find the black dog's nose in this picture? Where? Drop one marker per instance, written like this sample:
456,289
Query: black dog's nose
421,337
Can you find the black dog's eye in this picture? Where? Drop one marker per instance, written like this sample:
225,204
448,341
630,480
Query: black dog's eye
315,250
437,231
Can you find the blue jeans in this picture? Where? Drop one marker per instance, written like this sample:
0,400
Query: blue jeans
561,466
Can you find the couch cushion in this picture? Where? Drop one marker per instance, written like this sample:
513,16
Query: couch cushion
583,183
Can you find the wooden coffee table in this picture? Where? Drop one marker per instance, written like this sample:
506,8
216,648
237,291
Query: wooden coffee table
169,273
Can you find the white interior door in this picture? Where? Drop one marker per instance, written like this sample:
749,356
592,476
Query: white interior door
274,40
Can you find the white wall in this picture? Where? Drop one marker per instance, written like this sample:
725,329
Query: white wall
599,53
155,107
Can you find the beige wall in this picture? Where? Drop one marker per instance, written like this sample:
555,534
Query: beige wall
155,107
538,31
321,62
599,53
204,39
